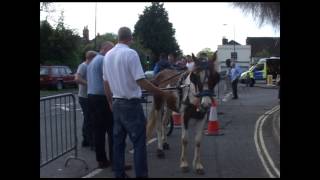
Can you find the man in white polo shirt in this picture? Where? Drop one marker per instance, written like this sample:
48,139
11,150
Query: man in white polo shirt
123,76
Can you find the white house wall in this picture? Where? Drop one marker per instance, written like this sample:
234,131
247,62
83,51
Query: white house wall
243,51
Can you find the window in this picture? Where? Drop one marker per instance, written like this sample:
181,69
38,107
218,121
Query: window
43,71
259,67
68,70
62,71
55,71
234,55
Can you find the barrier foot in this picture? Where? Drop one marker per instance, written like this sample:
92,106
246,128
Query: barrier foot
72,157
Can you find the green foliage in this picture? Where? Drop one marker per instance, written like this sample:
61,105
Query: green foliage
155,32
59,45
206,52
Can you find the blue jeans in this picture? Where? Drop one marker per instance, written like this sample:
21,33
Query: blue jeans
129,119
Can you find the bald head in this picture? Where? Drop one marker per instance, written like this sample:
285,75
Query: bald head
105,47
124,35
90,55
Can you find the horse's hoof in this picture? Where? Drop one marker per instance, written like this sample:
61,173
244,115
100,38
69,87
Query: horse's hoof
160,153
166,146
200,171
185,169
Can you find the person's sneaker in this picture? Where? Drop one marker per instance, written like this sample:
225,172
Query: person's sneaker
85,144
124,176
127,167
104,164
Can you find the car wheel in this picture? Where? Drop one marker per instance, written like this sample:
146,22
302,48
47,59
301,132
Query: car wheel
59,85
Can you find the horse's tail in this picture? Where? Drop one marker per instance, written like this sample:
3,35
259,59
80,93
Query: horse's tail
151,122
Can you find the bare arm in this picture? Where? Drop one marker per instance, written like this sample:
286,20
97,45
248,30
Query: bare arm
108,92
80,80
145,84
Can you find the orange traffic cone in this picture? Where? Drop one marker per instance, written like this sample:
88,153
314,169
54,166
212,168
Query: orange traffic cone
176,119
213,123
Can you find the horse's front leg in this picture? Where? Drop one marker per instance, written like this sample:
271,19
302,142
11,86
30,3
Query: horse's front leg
184,142
197,166
166,117
151,122
159,123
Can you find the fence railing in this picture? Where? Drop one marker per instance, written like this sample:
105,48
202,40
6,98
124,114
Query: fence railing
58,128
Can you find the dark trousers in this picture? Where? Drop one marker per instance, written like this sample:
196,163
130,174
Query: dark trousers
129,119
235,88
102,119
87,131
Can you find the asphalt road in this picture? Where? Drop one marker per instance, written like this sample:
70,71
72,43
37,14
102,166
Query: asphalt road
234,154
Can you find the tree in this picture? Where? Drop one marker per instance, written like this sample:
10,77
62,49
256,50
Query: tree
60,45
155,32
46,31
206,52
145,54
263,11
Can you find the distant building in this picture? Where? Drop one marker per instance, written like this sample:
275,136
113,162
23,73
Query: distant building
262,47
85,34
233,50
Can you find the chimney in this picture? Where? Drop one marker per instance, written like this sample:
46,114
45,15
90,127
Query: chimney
224,41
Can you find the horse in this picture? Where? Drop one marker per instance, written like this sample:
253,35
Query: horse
162,108
196,102
192,102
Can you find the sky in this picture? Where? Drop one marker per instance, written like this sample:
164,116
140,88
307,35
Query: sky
197,25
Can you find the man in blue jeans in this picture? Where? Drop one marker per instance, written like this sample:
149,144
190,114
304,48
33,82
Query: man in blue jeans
123,76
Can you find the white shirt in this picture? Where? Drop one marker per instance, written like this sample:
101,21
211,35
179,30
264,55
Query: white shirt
121,68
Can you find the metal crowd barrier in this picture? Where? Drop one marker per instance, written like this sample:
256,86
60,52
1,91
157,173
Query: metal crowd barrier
58,128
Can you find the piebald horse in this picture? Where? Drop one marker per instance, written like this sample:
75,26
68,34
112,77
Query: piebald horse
162,108
193,102
196,102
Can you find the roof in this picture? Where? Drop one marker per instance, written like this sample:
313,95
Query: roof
269,44
232,42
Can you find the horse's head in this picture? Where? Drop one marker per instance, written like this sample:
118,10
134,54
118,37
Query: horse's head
202,81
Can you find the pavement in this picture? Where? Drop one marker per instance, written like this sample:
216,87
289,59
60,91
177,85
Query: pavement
232,155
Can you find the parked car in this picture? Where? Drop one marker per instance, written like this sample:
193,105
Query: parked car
57,77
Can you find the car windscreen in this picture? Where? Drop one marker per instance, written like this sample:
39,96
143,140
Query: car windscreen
44,71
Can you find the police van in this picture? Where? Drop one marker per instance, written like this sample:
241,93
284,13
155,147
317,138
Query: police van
259,71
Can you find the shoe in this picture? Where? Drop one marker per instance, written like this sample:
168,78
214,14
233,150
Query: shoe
104,164
127,167
235,98
85,144
143,177
124,176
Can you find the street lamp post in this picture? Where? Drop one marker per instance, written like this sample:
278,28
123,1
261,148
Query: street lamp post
95,27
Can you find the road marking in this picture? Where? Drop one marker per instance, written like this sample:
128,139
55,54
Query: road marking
258,127
274,125
226,97
265,148
259,150
93,173
149,142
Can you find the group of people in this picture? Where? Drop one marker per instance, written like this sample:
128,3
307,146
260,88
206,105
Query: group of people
110,85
